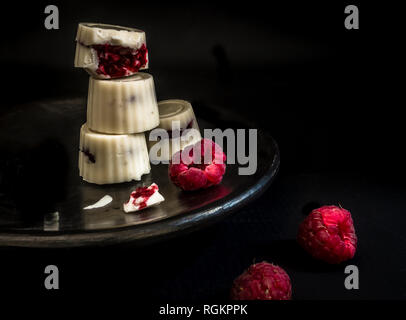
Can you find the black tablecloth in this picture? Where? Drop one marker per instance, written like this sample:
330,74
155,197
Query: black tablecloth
325,95
201,266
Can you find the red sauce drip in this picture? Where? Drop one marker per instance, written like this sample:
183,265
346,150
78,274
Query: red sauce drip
117,61
145,193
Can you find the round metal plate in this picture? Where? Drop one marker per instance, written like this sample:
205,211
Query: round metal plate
60,221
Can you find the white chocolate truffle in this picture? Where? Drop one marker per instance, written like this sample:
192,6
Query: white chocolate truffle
129,44
178,120
105,158
122,106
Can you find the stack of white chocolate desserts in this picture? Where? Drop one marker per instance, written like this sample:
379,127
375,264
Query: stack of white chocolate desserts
122,107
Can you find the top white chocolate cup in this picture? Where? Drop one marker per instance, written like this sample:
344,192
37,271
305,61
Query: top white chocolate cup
122,106
90,34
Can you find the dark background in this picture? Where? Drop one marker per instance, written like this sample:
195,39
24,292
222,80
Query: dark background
329,96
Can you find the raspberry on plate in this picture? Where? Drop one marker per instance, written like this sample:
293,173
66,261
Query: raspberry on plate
328,234
262,281
198,166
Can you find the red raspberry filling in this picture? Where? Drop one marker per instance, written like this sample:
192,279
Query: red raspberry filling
189,171
117,61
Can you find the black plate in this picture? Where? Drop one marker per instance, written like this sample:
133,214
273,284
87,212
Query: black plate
50,131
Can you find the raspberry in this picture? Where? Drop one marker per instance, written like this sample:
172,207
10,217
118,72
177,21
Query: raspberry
328,234
189,171
262,281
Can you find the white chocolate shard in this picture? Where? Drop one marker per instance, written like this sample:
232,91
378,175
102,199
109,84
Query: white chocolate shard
101,203
106,158
122,106
179,121
142,198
